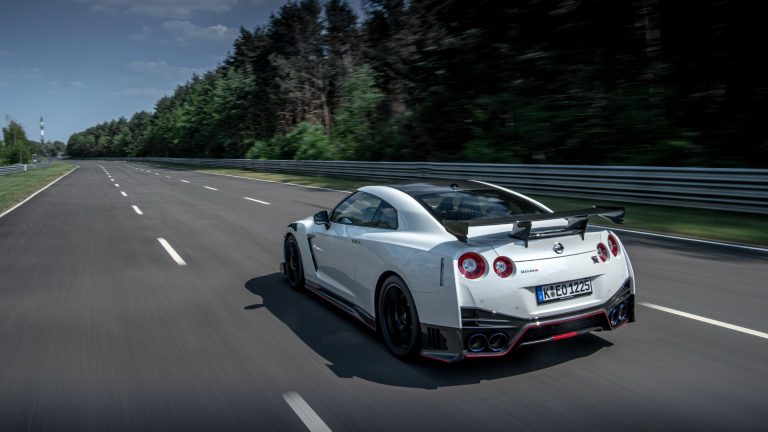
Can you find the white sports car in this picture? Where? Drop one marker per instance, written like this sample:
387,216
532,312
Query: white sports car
451,270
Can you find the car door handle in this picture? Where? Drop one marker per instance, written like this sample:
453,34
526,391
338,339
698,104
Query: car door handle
355,241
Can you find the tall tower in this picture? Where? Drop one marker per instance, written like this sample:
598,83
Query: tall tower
42,132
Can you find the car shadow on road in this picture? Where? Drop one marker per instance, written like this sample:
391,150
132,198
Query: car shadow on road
353,350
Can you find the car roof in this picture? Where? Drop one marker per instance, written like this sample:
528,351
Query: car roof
437,186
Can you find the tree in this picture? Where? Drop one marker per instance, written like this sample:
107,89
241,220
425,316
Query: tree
357,115
16,146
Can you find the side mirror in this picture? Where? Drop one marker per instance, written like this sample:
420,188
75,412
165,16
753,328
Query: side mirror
321,218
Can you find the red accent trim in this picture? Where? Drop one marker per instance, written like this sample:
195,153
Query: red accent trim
565,336
530,326
355,316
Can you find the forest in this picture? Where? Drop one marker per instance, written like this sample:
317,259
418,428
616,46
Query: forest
15,147
634,82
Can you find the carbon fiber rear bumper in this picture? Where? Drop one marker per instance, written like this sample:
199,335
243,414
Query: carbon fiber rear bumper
451,344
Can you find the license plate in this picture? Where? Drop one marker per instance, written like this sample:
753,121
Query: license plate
563,290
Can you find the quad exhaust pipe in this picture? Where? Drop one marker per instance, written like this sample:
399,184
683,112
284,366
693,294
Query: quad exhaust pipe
479,342
497,342
619,314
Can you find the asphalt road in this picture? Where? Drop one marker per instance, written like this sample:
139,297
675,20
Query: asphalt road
101,329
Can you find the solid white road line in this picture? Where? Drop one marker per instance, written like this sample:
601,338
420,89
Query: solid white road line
176,257
124,194
258,201
33,195
308,416
136,209
208,187
690,239
185,181
706,320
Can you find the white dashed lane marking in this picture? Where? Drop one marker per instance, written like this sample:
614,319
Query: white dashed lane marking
255,200
167,246
308,416
136,209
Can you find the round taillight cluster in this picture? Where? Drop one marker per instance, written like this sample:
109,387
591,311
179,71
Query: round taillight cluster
613,245
471,265
602,252
503,266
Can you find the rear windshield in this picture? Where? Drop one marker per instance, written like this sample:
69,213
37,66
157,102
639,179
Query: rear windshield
465,205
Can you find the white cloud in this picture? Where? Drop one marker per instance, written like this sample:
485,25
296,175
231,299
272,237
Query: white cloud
162,68
183,31
160,8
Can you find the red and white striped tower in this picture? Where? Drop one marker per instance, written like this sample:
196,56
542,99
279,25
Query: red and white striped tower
42,132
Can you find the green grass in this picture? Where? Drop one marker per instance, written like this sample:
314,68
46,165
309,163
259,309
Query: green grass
698,223
15,188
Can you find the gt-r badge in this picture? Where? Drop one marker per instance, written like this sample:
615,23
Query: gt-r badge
558,248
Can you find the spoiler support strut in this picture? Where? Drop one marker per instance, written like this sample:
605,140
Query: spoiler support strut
578,221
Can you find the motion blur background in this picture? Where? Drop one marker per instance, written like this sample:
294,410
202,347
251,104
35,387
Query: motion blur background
643,82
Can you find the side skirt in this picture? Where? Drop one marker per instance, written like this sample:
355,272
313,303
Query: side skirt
342,304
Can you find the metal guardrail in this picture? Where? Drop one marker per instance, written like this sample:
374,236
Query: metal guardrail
11,169
732,189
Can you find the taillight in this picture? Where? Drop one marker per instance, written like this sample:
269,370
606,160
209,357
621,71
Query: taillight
503,266
602,252
613,244
471,265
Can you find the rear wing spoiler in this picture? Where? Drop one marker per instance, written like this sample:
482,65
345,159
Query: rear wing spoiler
577,223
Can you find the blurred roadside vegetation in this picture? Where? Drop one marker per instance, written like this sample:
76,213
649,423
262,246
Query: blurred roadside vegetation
639,82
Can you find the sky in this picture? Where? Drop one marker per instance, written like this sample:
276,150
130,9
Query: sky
82,62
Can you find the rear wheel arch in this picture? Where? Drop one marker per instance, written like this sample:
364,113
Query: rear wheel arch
377,294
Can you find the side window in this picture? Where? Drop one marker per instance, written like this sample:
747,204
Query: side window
365,209
358,209
385,217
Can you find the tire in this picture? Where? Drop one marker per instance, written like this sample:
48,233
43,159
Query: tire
398,319
294,268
